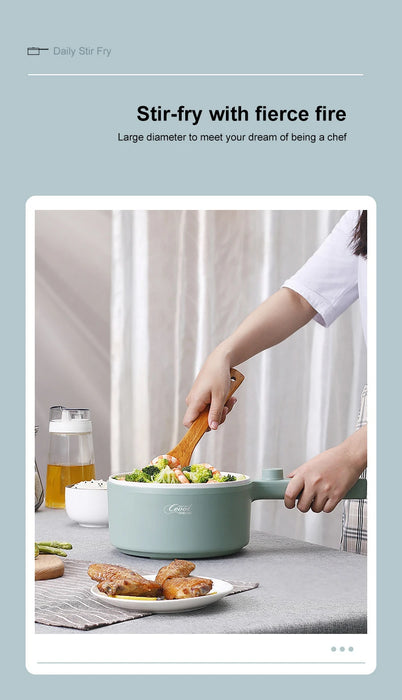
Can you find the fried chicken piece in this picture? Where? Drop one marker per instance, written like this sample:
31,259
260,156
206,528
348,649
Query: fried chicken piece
188,587
101,572
178,568
118,580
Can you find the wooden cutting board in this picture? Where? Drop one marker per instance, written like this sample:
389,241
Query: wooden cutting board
48,566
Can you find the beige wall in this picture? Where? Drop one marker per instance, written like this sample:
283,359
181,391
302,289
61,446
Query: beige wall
73,323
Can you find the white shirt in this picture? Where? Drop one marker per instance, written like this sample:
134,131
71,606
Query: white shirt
333,278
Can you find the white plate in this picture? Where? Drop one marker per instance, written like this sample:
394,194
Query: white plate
218,591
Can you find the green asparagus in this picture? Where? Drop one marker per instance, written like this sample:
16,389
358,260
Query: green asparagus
59,545
52,548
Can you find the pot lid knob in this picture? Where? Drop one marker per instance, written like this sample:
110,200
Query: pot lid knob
272,474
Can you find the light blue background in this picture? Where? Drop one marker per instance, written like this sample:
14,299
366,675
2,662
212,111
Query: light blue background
60,138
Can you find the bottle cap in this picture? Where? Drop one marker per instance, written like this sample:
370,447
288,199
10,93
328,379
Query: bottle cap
69,420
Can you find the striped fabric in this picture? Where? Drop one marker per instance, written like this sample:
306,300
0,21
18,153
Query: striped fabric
354,520
68,602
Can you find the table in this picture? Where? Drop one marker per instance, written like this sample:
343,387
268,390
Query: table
303,587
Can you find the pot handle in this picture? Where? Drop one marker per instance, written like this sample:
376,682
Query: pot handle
273,487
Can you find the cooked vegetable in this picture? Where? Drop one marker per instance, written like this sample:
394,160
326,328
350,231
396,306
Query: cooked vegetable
224,477
166,476
61,545
162,471
137,475
52,548
162,462
152,470
199,474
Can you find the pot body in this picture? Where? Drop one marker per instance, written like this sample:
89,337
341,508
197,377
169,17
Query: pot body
165,522
191,521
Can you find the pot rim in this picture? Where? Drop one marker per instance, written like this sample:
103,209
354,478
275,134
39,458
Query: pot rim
207,486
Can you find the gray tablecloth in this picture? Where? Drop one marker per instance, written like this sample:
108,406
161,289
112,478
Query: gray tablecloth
303,588
67,601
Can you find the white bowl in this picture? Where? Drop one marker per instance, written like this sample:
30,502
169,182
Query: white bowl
87,506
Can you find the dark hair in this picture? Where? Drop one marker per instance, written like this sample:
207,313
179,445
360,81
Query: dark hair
359,238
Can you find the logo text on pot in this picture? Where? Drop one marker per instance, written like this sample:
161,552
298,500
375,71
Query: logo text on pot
177,509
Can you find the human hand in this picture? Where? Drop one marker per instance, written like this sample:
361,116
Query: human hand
320,483
210,389
271,322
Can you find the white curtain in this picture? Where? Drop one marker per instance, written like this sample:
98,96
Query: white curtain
181,282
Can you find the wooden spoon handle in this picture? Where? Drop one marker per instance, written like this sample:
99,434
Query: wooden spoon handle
236,379
184,450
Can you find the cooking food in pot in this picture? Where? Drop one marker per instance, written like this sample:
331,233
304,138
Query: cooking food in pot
190,521
166,469
172,582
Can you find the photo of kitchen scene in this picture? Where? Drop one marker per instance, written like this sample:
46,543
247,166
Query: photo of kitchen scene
129,306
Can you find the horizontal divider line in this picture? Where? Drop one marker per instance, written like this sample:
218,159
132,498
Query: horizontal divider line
200,75
215,663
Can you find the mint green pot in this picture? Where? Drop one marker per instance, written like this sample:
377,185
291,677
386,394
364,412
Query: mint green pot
190,521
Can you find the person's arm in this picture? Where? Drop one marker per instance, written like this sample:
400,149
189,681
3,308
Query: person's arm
323,481
274,320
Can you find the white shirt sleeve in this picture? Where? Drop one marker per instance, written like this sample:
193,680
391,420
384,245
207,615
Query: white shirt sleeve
329,279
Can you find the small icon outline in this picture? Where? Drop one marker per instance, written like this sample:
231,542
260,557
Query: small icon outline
35,50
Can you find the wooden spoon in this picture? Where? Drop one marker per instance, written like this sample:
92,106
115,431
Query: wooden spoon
184,450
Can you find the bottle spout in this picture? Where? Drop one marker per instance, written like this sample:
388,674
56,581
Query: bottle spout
69,420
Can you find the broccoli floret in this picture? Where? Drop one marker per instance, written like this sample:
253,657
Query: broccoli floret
186,469
161,463
137,475
151,471
166,476
224,477
199,474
